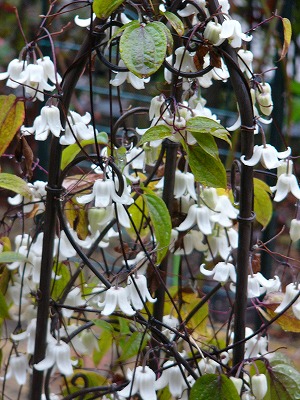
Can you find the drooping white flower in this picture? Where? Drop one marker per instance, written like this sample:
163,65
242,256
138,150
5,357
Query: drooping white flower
83,22
221,242
138,291
232,30
58,354
291,292
29,335
295,230
267,155
189,9
122,76
238,383
48,121
13,73
264,98
17,368
200,215
142,382
104,192
286,182
259,386
225,212
77,128
191,240
172,377
245,59
116,297
258,285
221,272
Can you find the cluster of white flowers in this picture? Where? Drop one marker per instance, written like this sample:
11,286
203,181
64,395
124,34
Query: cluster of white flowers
34,77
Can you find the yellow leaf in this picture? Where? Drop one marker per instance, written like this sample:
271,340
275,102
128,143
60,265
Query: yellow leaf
11,118
287,35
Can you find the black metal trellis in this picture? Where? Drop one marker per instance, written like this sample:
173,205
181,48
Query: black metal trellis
55,191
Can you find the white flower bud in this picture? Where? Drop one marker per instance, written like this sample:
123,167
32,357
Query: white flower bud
259,386
212,32
295,230
238,383
264,99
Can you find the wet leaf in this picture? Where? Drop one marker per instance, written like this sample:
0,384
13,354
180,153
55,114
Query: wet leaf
11,118
143,47
175,22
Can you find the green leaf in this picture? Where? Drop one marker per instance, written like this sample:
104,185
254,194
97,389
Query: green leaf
207,169
200,125
103,325
143,48
175,22
70,152
15,184
207,143
287,36
161,221
213,387
132,345
124,326
169,37
284,382
105,342
263,207
104,8
157,132
11,118
11,256
3,307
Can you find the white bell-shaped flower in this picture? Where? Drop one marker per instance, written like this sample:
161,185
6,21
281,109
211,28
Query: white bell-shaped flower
138,291
116,297
13,73
286,182
58,355
172,377
48,121
18,368
232,30
122,76
201,216
142,382
267,155
259,386
221,272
